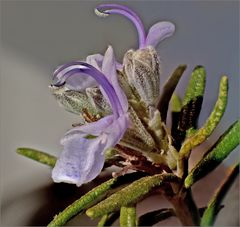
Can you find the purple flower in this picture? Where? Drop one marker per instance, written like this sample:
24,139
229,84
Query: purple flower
82,158
156,33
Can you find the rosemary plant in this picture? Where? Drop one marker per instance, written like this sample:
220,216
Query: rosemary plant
122,122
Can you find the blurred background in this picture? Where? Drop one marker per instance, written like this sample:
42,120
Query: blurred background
37,36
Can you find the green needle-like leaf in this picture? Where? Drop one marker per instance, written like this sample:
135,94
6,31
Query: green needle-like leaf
214,205
84,202
203,133
226,143
176,103
153,217
168,90
91,198
178,135
108,219
129,195
103,220
38,156
196,84
128,216
191,106
193,98
190,132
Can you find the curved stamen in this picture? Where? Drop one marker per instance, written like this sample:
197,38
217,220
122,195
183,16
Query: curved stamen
106,9
63,72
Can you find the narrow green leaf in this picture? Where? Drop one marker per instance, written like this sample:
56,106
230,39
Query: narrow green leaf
153,217
129,195
103,220
168,90
202,210
108,219
128,216
214,205
91,198
193,98
176,103
38,156
203,133
220,150
84,202
186,119
190,132
178,135
196,85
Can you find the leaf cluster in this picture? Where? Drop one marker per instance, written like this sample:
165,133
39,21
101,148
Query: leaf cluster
119,196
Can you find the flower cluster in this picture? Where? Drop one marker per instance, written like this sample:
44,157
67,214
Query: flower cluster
122,122
117,104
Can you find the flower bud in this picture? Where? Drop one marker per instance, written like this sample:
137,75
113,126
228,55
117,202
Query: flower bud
142,70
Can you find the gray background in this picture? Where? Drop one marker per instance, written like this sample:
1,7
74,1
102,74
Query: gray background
36,36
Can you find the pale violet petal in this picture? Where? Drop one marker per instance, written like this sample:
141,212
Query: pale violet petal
94,128
116,130
78,160
95,60
83,158
111,136
80,83
159,32
119,66
97,162
109,70
109,64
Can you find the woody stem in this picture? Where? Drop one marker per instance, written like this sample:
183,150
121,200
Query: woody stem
185,208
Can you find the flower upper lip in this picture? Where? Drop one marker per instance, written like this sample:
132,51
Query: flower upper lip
70,72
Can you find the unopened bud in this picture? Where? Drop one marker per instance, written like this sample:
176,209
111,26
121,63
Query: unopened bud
142,70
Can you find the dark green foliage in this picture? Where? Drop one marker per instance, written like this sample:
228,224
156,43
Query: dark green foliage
191,106
224,146
168,90
129,195
92,197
